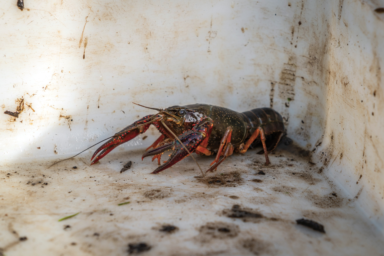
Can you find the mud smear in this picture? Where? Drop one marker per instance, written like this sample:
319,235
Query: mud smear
326,201
287,80
358,194
340,8
155,194
284,189
217,230
307,177
82,33
231,179
211,35
287,86
14,243
288,145
257,246
319,215
357,182
245,214
270,200
271,95
20,106
69,120
85,46
138,248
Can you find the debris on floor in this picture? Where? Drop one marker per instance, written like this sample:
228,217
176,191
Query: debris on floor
126,167
311,224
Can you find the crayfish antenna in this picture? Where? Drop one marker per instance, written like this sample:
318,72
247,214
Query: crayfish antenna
78,153
158,109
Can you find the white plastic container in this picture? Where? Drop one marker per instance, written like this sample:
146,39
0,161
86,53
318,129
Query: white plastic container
78,65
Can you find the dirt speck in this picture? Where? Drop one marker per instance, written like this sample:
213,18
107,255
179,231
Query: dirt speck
169,229
234,197
137,248
217,230
379,10
242,30
261,173
245,214
257,246
326,201
145,137
154,194
231,179
257,180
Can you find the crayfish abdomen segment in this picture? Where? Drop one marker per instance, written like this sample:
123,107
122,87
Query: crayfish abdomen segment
270,121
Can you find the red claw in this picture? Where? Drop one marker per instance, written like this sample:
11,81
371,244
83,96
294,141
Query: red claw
123,136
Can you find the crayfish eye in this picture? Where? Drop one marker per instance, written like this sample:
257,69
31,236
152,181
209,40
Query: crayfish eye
181,111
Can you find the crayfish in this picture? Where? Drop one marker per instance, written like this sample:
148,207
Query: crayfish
202,129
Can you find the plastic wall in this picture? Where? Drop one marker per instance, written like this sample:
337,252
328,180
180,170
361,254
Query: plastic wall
77,66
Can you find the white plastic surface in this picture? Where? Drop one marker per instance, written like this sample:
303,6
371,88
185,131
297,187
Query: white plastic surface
79,65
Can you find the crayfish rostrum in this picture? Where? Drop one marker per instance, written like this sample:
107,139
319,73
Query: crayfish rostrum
202,129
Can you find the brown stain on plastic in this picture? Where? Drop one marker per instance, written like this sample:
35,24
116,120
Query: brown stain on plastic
341,2
305,176
284,190
257,246
271,94
217,230
325,201
231,179
82,33
68,118
287,86
85,46
155,194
